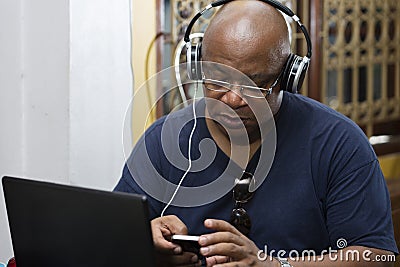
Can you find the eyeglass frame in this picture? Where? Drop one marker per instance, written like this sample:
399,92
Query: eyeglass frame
242,87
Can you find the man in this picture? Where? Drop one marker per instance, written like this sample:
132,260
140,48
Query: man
324,187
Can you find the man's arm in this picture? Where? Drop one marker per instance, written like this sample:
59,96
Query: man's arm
353,256
227,247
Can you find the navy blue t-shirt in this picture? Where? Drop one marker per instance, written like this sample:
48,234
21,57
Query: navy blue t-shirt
325,183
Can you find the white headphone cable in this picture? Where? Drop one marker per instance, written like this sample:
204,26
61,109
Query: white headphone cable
178,52
189,150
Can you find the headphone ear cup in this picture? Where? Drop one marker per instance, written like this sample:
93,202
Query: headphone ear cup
295,71
193,63
286,73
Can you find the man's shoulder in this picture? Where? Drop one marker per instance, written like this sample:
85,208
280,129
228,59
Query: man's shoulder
172,120
329,128
320,113
309,104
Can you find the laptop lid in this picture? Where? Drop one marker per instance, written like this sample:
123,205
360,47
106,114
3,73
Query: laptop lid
60,225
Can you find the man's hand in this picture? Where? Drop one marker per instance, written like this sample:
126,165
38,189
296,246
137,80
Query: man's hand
168,253
228,247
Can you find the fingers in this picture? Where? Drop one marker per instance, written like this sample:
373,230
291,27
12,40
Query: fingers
163,228
170,225
226,243
170,254
211,261
225,233
220,237
223,244
221,226
160,243
226,249
174,224
233,264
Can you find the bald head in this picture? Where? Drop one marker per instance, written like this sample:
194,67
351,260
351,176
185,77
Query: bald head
247,30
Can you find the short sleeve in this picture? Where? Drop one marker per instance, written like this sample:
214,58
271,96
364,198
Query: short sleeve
358,209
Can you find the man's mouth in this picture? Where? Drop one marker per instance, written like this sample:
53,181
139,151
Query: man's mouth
232,122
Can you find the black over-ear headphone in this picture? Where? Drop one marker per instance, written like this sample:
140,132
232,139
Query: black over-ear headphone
295,68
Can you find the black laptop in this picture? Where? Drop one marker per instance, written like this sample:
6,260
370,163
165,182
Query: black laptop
60,225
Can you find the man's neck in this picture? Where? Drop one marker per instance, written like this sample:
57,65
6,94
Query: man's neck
275,101
241,154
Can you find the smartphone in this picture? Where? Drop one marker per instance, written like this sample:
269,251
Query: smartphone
189,243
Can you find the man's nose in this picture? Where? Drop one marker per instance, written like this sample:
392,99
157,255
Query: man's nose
233,97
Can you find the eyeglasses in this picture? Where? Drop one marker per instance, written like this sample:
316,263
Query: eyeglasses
241,195
246,90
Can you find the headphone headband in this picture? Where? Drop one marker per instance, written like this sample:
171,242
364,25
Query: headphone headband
296,66
273,3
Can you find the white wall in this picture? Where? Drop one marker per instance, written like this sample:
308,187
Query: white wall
65,84
101,89
45,63
10,105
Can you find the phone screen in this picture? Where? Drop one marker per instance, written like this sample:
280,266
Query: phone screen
187,242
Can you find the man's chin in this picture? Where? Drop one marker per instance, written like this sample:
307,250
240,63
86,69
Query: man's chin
239,136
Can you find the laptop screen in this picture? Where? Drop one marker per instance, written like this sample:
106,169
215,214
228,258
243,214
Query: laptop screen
60,225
